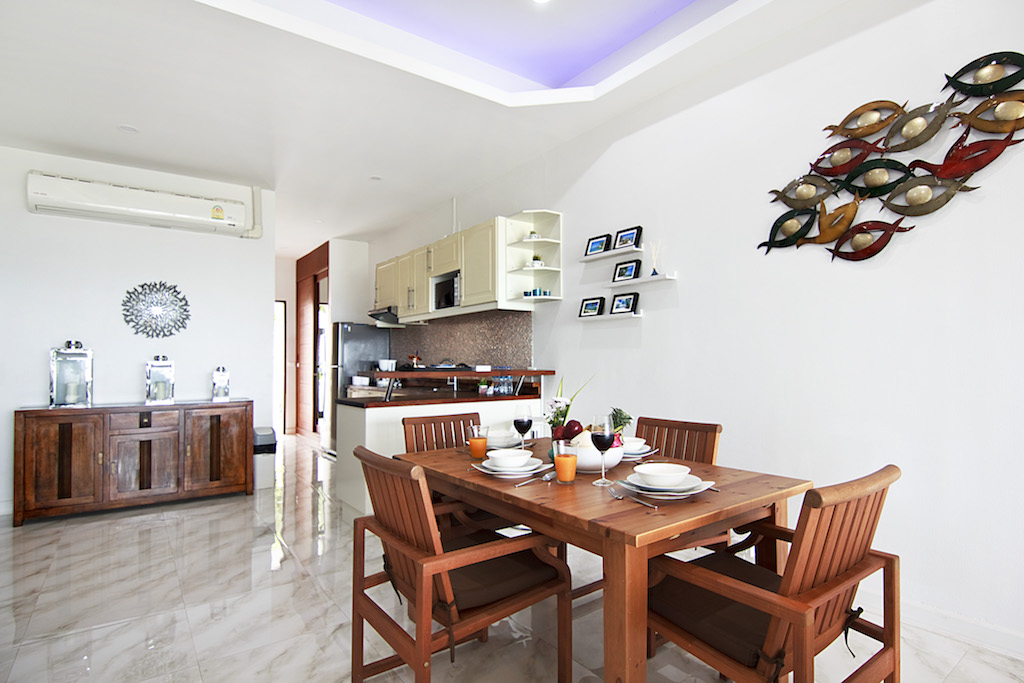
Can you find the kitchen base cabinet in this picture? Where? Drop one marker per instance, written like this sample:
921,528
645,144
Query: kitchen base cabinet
70,460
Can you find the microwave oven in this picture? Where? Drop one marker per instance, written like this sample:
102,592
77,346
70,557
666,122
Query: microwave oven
446,291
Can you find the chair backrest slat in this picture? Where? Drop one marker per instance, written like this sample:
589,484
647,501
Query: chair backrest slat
834,533
401,504
437,431
696,441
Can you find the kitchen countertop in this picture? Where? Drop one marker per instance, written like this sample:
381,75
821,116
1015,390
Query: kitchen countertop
427,397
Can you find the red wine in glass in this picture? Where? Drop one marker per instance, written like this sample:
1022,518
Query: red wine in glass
522,425
602,436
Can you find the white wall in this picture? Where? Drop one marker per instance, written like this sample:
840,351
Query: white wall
284,290
818,369
65,278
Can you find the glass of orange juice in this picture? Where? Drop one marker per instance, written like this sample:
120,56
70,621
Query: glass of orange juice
478,441
565,462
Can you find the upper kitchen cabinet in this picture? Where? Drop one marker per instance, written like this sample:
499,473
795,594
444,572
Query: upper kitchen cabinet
479,275
413,283
386,290
445,255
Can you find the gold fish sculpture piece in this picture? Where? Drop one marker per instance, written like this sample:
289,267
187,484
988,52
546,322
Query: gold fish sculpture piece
831,226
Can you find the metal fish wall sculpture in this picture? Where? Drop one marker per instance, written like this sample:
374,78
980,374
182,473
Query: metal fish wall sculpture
869,171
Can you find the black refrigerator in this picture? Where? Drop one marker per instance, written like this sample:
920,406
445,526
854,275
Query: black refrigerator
351,348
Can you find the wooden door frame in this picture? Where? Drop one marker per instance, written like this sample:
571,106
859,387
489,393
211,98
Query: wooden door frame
308,270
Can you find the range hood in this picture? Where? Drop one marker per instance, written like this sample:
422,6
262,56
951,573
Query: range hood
387,314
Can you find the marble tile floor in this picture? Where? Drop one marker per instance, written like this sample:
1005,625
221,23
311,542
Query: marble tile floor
257,588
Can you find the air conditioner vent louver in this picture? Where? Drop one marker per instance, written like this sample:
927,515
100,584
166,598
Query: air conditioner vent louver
66,196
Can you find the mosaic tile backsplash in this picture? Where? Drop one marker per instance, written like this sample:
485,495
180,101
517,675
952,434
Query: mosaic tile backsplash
493,337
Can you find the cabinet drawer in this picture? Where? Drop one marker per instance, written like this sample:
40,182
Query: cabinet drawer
143,419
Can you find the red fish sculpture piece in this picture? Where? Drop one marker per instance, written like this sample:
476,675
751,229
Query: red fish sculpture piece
832,225
963,159
825,164
885,230
867,119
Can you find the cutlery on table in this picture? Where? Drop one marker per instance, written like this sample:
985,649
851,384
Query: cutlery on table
618,495
547,477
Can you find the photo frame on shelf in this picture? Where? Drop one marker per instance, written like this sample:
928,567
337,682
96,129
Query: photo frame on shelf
626,270
599,244
592,307
625,303
630,237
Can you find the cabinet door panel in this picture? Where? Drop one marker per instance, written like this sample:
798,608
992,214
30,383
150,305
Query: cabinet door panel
480,268
142,465
62,461
215,448
444,255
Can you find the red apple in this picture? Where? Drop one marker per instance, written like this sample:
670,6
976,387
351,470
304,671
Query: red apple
558,432
572,429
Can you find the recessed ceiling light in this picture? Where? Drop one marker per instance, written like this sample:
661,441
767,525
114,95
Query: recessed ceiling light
127,128
375,177
540,2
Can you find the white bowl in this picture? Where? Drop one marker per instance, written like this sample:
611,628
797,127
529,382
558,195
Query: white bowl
505,458
633,444
589,459
663,475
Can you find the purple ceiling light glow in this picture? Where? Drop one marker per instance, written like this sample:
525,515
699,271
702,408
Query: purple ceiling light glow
550,44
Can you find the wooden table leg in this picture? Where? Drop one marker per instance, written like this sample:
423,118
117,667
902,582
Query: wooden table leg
625,612
769,553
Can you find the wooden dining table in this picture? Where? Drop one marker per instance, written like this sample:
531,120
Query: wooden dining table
624,533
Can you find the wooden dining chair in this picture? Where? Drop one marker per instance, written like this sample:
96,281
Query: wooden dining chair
678,440
437,431
464,583
752,624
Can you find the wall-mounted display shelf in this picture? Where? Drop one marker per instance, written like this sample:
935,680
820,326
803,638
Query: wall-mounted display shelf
617,316
624,252
642,280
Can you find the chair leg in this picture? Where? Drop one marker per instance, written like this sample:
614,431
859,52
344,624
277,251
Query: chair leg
357,647
564,609
420,663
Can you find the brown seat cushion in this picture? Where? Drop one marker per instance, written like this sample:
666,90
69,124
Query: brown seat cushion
493,580
731,628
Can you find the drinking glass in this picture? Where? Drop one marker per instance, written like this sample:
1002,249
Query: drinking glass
603,436
478,441
565,462
522,422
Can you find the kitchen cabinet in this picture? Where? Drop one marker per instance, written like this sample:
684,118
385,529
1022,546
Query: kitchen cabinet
215,452
497,269
413,283
444,255
82,460
479,278
386,287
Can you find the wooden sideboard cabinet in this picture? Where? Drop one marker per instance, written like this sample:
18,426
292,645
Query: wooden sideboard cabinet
69,460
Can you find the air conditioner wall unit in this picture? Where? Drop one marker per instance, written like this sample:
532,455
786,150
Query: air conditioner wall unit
66,196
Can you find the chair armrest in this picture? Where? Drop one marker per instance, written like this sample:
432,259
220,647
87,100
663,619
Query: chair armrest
463,557
449,507
734,589
768,529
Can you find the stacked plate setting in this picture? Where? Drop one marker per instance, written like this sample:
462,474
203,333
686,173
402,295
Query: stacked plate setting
634,448
665,481
532,466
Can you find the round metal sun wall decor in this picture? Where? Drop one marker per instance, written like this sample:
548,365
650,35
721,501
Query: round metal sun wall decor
155,309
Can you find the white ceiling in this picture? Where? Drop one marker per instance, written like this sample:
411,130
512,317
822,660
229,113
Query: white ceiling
315,100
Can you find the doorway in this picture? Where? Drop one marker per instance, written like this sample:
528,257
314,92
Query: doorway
310,293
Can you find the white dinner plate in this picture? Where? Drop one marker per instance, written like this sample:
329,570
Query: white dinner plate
636,451
690,482
502,441
703,486
636,456
528,466
505,474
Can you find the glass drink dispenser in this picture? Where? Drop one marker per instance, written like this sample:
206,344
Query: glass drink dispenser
221,382
159,381
71,376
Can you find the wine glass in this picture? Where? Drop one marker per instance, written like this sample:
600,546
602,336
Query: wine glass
603,436
523,422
